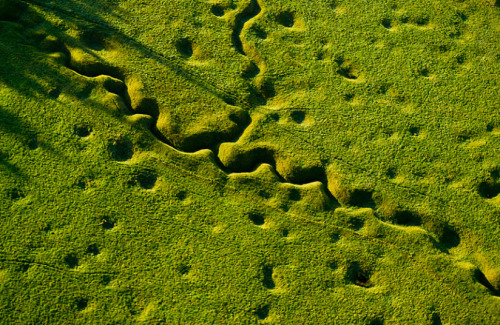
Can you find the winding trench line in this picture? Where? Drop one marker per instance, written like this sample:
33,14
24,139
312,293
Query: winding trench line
250,11
172,62
160,137
118,75
215,89
321,178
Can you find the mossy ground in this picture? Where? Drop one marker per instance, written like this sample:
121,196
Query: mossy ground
253,161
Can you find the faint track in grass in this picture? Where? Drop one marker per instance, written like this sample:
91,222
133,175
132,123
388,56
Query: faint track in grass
221,93
25,261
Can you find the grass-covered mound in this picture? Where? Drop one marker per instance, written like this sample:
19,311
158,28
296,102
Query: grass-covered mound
281,162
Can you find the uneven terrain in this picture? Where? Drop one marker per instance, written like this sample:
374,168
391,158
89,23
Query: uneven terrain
251,161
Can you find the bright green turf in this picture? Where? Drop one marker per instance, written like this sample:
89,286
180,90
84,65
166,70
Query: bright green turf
334,162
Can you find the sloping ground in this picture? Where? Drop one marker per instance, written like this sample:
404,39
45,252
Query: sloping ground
250,162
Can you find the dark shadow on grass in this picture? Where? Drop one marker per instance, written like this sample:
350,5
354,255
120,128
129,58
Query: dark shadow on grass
481,278
26,72
9,123
30,66
88,17
12,169
15,70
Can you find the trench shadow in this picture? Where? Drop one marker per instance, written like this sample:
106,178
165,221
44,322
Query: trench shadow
90,18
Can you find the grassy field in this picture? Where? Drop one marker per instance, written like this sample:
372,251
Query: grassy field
250,162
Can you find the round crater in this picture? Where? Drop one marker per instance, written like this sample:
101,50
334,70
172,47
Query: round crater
391,173
184,269
489,189
355,223
274,117
185,47
348,72
33,143
83,182
414,130
121,149
349,97
107,223
145,179
259,32
82,131
268,280
217,10
387,23
298,116
262,312
256,218
332,265
71,260
105,279
264,194
424,72
361,198
286,18
24,267
358,275
81,304
93,249
334,237
181,195
421,20
16,194
54,92
251,70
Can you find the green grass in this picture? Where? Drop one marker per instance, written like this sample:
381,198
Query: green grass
254,161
